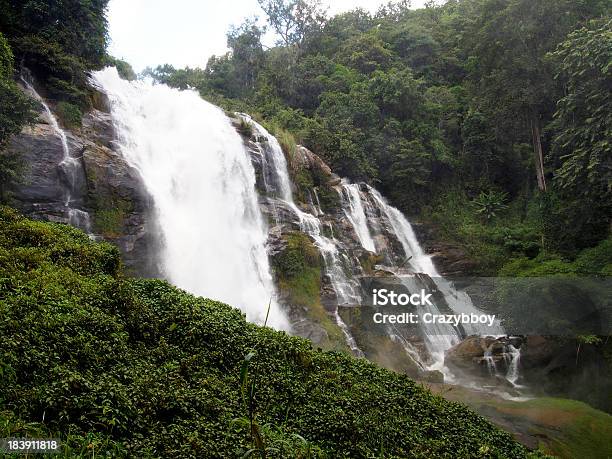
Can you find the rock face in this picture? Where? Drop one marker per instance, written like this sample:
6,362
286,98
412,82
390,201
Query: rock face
122,209
42,191
483,356
330,316
107,195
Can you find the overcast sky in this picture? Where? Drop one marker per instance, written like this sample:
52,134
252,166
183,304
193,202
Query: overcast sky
187,32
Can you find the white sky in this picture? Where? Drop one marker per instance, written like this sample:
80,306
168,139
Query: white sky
188,32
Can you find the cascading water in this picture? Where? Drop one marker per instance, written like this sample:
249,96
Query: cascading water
195,166
354,211
278,183
513,368
437,337
68,165
276,176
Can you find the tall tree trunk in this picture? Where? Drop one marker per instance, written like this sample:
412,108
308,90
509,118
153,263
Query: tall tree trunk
537,152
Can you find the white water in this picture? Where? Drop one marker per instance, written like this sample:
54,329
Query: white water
513,368
345,289
69,165
356,215
195,166
279,183
437,337
350,341
276,176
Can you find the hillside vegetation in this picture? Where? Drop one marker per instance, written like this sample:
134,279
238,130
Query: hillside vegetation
138,368
489,119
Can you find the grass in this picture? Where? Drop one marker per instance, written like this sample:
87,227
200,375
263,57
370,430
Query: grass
69,114
574,429
559,427
299,273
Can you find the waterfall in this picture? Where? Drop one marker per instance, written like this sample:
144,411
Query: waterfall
458,301
355,213
68,165
198,172
276,176
513,368
197,169
278,184
402,230
437,337
347,290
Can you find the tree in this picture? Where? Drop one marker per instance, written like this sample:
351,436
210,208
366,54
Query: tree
247,51
582,145
506,44
293,20
78,26
581,149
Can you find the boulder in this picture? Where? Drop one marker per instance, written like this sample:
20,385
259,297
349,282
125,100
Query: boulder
480,355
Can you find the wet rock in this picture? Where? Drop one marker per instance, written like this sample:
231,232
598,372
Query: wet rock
310,330
41,193
106,193
334,180
121,208
433,376
451,260
539,351
307,159
480,355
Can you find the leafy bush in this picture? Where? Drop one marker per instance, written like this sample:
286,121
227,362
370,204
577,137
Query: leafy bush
245,128
147,370
124,69
16,110
490,204
69,114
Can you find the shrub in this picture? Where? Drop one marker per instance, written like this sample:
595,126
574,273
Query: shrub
69,114
124,69
245,128
490,204
144,369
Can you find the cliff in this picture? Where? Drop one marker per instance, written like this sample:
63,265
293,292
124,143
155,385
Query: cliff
107,196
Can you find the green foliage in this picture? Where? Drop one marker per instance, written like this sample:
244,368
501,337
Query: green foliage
298,255
293,20
139,368
110,214
581,151
69,114
77,26
58,41
16,110
124,69
459,95
245,128
488,247
596,261
489,204
6,59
